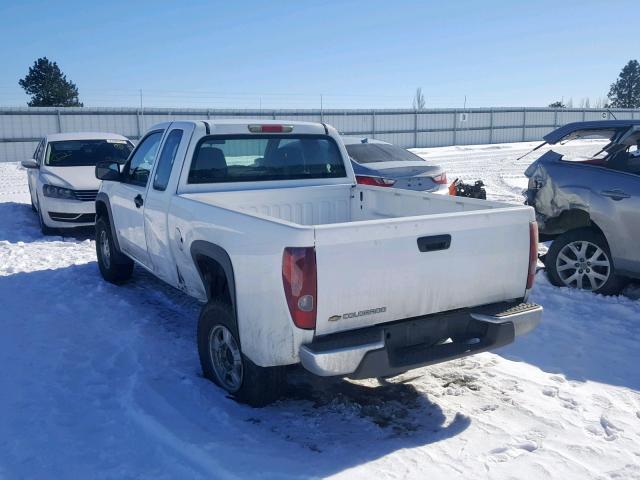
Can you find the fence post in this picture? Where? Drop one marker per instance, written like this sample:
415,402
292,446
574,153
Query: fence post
59,121
273,117
555,118
491,126
455,127
373,124
524,124
415,129
139,125
584,113
208,114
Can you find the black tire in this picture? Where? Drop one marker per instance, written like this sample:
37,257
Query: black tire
43,226
556,273
258,386
114,266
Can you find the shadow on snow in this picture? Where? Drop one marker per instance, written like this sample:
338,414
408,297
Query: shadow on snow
88,363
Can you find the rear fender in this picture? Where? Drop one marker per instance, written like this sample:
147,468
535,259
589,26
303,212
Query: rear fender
204,252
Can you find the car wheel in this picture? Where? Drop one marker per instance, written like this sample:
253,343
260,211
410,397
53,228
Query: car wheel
115,267
224,363
46,230
581,259
33,207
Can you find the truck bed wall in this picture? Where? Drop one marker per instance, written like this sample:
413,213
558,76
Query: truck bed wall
339,203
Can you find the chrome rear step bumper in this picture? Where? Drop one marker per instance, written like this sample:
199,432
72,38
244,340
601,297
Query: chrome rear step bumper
396,347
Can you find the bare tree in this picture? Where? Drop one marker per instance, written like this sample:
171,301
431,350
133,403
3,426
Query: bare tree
419,102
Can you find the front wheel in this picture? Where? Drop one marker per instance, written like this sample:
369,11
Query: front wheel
224,363
44,228
115,267
581,259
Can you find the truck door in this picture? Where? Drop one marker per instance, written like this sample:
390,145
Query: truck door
128,197
162,188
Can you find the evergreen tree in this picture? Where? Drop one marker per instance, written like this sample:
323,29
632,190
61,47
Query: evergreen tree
48,86
557,104
625,91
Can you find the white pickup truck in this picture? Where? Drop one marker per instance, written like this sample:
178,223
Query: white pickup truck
295,262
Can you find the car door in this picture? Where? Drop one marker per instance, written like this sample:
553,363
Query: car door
127,197
161,190
619,196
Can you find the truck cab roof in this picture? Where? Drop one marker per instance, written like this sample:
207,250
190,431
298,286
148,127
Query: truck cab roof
241,126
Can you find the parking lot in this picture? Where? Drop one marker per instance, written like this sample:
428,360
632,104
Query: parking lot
103,381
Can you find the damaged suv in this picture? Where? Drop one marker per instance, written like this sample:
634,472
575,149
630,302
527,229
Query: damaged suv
586,193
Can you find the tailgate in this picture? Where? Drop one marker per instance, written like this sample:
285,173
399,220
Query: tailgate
384,270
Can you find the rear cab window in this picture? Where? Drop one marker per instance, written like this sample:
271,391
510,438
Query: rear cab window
250,158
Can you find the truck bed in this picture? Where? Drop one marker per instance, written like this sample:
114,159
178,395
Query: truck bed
396,254
324,205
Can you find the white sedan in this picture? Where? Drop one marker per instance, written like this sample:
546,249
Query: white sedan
62,180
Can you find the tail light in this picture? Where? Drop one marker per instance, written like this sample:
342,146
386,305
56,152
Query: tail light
270,128
375,181
533,254
300,285
440,179
453,190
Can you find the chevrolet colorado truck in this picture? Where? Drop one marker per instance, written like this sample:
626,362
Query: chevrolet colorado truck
296,263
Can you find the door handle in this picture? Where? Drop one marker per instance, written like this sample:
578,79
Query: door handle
434,243
616,194
138,201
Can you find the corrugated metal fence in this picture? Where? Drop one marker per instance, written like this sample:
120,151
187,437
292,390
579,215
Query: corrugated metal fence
21,128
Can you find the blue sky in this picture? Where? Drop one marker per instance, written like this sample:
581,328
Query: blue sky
248,54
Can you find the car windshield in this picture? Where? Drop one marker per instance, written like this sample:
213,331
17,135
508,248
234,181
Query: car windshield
81,153
242,158
380,152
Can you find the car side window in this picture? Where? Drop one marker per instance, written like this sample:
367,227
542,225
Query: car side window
139,165
166,159
37,155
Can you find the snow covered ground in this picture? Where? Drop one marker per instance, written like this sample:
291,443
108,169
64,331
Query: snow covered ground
99,381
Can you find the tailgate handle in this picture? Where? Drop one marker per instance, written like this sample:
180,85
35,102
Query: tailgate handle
434,243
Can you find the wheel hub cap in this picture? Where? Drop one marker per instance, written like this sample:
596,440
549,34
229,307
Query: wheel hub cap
225,358
104,248
584,265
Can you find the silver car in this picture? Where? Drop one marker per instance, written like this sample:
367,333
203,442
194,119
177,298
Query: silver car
386,165
590,205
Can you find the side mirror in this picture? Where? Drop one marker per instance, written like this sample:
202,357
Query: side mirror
108,171
31,163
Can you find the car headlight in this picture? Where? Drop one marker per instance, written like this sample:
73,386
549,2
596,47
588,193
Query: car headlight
57,192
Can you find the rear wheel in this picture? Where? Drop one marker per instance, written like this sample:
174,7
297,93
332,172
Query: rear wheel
115,267
224,363
581,259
